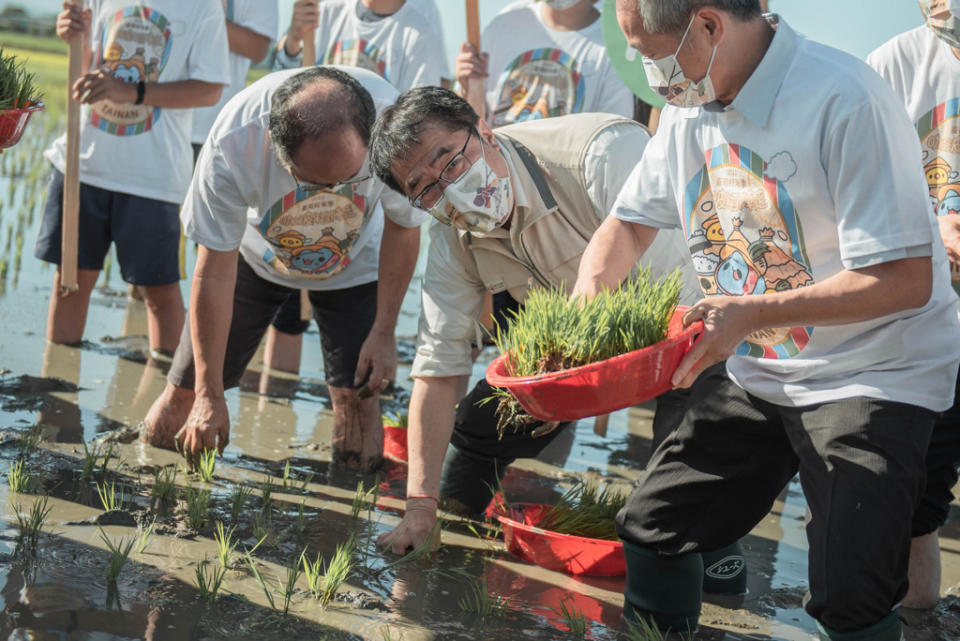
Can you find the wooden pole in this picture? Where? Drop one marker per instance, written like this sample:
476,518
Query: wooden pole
475,87
309,60
70,229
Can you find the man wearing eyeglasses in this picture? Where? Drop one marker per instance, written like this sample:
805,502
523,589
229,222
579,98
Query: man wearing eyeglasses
282,199
515,210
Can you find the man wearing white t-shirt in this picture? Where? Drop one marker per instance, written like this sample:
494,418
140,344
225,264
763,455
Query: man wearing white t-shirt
148,66
923,67
544,59
827,291
251,27
282,200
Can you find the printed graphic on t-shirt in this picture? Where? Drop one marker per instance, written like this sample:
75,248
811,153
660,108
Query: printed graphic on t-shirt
312,233
540,83
745,237
357,52
134,46
939,132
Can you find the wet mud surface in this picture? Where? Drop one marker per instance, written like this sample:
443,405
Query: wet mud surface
55,399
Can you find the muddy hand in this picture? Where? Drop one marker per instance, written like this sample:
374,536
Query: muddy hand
414,529
207,427
377,364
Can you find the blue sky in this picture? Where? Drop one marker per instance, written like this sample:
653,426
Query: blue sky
857,26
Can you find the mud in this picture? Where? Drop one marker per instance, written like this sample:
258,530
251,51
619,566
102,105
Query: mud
100,390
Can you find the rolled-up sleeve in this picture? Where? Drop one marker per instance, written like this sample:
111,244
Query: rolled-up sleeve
451,304
214,213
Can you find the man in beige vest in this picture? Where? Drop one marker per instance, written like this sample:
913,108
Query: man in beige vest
517,208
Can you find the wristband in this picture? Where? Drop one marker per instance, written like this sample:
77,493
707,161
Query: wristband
141,90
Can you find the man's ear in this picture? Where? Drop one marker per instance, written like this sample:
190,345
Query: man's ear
485,132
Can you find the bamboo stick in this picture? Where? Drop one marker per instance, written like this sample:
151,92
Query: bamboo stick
475,93
309,60
70,229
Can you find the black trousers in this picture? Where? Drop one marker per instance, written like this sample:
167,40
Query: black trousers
861,465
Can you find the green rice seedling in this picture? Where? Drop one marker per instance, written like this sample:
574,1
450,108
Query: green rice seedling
198,505
106,459
225,544
18,86
363,498
143,540
585,510
29,442
17,477
119,553
301,523
252,566
261,524
206,465
639,629
165,483
337,571
313,573
239,497
208,585
90,458
288,587
109,498
30,525
290,483
266,492
478,600
572,617
552,332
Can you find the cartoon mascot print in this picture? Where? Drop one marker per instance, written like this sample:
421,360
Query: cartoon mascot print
939,132
745,237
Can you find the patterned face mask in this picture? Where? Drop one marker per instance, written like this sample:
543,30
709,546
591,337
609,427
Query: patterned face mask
478,201
667,79
943,17
561,5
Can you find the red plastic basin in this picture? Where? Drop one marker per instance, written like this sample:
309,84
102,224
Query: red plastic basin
395,443
604,386
12,124
554,551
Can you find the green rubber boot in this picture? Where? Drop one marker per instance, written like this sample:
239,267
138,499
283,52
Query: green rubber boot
725,570
886,629
663,589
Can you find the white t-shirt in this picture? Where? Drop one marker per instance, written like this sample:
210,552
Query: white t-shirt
138,149
257,15
538,72
403,48
925,74
240,196
810,171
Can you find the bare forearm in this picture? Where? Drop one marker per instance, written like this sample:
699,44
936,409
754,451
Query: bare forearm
431,424
398,259
182,94
211,310
246,42
611,254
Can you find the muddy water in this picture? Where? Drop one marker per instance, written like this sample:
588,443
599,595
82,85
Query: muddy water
70,395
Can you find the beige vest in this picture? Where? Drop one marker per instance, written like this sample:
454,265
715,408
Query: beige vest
549,235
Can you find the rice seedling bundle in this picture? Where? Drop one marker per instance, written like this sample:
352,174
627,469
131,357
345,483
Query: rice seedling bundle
585,510
18,87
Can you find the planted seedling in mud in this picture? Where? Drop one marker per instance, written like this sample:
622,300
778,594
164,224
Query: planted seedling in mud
261,524
106,459
478,600
164,483
252,566
239,497
639,629
208,585
266,491
363,499
29,442
325,581
206,465
225,544
30,524
198,504
301,524
143,540
425,549
17,477
585,510
572,617
289,587
290,483
119,553
90,458
109,498
552,332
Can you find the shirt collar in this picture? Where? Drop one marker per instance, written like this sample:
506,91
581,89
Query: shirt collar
756,98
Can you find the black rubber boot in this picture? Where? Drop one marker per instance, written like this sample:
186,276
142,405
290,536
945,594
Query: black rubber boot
468,482
886,629
725,570
664,590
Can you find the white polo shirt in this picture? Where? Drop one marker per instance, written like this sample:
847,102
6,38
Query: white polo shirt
924,72
260,16
810,171
539,72
403,47
240,196
140,149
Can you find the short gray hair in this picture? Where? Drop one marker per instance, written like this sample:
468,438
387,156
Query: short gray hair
673,16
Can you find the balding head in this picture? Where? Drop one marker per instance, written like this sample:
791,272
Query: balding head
671,17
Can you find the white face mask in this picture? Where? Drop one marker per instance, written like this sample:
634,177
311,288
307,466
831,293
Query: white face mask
942,18
478,201
561,5
667,79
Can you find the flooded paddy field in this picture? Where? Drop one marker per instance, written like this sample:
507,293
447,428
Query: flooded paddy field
68,417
